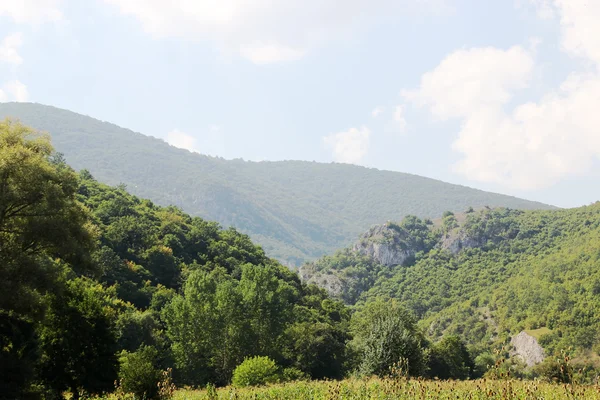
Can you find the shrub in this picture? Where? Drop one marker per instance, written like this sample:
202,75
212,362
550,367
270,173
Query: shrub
450,359
138,373
483,362
255,371
293,374
555,370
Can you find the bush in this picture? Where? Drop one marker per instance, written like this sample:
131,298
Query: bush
255,371
450,359
483,362
138,373
293,374
555,370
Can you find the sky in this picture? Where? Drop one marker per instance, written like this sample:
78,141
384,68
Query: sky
500,95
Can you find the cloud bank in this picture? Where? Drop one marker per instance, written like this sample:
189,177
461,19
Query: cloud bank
530,145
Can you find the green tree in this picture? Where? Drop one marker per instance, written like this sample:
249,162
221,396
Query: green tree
207,328
78,341
138,373
450,359
41,222
385,333
255,371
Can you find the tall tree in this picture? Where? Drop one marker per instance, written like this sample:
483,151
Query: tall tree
40,222
385,333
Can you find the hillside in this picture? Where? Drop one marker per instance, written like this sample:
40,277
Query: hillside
487,278
296,210
99,286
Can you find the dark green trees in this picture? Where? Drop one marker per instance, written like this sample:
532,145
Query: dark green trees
450,359
219,320
42,226
77,339
385,333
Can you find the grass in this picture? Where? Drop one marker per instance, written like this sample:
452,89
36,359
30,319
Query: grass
538,333
382,389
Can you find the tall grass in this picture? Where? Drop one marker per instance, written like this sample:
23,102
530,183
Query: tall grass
401,388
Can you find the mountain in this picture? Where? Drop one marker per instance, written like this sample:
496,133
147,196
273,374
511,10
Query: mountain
485,276
296,210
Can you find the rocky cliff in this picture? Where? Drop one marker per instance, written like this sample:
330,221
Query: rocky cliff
527,348
387,244
391,245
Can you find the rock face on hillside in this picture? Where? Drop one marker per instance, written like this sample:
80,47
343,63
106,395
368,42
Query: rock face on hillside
457,240
330,282
527,348
386,245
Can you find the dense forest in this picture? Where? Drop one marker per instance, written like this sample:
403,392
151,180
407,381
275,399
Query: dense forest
484,275
296,210
98,286
93,278
104,292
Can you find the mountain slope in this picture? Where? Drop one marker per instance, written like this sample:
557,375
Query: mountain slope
495,274
297,210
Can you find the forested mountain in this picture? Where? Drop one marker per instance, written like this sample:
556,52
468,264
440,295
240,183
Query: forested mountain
97,285
485,276
295,210
101,288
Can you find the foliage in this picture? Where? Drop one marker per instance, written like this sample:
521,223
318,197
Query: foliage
41,226
90,272
512,270
138,373
384,334
255,371
555,369
77,337
450,359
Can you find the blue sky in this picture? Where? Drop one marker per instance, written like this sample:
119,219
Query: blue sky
502,95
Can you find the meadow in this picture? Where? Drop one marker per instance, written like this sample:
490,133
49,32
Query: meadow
381,389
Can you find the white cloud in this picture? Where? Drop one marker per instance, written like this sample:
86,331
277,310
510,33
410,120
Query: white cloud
265,31
31,11
9,49
538,143
534,144
473,79
399,118
14,91
210,142
182,140
580,28
377,111
350,146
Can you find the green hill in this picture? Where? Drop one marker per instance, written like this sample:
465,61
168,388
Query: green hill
487,278
296,210
98,286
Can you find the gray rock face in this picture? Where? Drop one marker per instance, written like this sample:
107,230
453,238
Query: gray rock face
384,244
527,348
331,283
456,240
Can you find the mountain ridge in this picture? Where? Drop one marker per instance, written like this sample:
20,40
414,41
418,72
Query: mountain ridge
297,210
